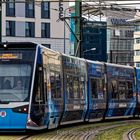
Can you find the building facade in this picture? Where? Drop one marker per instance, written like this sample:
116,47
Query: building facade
94,46
120,39
137,44
136,22
120,33
34,22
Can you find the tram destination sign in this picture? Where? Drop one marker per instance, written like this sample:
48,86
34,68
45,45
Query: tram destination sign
11,56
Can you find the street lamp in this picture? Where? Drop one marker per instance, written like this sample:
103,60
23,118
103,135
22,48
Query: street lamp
92,49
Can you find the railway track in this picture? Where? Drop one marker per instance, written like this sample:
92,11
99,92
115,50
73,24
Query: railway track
81,132
92,134
72,135
86,134
25,137
130,134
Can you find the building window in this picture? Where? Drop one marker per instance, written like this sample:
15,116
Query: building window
137,27
128,33
138,64
137,52
10,28
29,8
116,33
45,9
45,30
137,40
10,8
30,29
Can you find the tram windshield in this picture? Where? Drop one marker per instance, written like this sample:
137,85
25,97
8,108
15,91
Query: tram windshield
14,82
16,68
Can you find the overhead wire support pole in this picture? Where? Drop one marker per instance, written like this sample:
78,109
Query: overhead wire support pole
64,19
71,31
64,32
75,54
78,10
0,21
77,39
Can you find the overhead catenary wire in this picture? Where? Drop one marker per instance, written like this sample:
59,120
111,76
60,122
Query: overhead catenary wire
116,13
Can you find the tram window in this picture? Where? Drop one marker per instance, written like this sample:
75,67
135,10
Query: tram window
94,88
38,96
68,89
114,88
52,80
9,77
55,79
81,90
76,88
69,83
97,88
58,85
122,90
40,90
100,89
45,82
129,89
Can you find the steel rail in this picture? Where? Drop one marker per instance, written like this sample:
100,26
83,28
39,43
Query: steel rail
130,134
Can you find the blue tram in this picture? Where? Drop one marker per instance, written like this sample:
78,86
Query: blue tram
41,88
121,97
96,93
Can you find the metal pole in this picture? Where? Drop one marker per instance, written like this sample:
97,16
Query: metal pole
64,31
110,56
77,43
0,22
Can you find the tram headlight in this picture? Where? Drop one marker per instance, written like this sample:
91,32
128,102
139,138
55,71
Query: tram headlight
5,45
21,109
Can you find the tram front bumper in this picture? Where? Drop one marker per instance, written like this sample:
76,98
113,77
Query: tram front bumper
12,120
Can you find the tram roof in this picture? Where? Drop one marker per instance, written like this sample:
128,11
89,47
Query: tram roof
16,44
74,57
118,65
95,62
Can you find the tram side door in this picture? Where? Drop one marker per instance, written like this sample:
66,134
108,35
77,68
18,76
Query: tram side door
97,98
38,99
